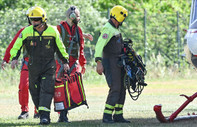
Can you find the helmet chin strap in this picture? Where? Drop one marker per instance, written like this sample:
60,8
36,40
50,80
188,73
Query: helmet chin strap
38,25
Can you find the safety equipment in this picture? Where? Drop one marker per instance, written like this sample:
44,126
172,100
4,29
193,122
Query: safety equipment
38,12
69,92
73,14
134,79
119,13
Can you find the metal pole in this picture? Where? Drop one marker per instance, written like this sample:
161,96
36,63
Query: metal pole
178,39
108,13
145,41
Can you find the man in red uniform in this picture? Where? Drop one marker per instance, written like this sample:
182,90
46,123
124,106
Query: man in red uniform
72,37
24,77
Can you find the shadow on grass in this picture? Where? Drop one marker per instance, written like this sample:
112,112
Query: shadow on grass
135,122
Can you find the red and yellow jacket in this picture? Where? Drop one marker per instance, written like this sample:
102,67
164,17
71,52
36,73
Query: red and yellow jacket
76,54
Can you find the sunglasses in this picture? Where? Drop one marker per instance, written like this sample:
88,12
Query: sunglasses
35,19
123,14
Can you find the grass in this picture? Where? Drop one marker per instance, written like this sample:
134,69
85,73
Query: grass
139,112
164,87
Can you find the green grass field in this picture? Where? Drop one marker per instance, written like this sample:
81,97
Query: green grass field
139,112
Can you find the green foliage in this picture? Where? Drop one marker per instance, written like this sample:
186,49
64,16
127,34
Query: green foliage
161,25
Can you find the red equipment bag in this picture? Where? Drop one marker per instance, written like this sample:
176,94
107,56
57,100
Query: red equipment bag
69,92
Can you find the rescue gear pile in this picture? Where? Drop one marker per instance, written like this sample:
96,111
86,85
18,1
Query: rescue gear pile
135,70
69,92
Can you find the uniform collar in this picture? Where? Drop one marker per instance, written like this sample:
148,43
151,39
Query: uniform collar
110,21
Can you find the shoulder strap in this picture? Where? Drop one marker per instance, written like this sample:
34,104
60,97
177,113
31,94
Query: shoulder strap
63,32
77,40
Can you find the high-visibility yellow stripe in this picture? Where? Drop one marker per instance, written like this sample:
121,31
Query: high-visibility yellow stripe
108,111
37,110
118,112
43,109
59,86
118,106
109,106
68,94
82,88
79,103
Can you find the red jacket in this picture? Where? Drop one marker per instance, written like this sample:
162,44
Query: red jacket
82,60
7,52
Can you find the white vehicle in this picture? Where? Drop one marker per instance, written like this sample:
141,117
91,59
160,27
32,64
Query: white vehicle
191,35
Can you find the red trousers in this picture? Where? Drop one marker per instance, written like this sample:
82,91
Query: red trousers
23,93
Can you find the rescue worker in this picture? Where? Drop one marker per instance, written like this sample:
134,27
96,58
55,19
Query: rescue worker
107,51
72,37
23,93
41,41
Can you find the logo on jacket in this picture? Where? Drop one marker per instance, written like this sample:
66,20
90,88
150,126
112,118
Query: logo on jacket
32,43
20,35
119,40
105,36
48,45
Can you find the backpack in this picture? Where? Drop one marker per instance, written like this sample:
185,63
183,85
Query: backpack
69,92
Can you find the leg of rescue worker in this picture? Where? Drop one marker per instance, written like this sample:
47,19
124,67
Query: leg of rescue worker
118,114
36,114
46,95
113,77
63,116
24,92
34,87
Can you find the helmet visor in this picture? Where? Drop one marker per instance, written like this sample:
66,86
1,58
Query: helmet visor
35,19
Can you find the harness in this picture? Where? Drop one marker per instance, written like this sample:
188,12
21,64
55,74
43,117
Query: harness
74,39
24,62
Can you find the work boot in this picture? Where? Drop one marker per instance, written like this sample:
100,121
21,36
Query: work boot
23,115
63,116
36,115
120,119
44,118
107,118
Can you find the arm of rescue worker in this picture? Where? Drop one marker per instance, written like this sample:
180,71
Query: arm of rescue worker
59,29
82,59
66,66
3,64
7,52
99,67
88,36
101,43
16,50
103,39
